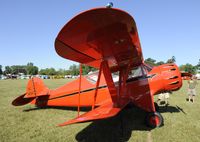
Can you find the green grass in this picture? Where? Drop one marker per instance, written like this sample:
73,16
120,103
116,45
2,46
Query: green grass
27,123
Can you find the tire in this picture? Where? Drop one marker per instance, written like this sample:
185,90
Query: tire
154,119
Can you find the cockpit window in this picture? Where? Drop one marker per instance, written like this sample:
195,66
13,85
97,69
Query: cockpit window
115,76
135,72
92,77
148,67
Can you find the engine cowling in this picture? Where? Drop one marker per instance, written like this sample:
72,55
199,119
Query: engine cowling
166,77
171,77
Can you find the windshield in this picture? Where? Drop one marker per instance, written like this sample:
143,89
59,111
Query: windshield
136,72
93,76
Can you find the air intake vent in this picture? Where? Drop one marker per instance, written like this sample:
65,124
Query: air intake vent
173,83
173,69
176,88
174,77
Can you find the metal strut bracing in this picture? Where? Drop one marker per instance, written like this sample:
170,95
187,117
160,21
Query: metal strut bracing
79,89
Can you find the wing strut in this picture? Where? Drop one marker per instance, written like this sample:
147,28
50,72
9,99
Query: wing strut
79,89
123,75
97,85
109,81
108,109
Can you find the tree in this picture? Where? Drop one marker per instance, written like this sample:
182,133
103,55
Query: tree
188,68
160,63
51,71
8,70
32,70
48,71
1,72
30,64
16,69
150,61
86,69
172,60
43,72
74,69
61,72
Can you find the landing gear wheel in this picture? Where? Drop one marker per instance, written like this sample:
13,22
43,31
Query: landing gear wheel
154,119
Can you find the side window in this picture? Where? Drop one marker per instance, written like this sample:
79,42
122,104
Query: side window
92,77
115,76
135,72
148,67
145,70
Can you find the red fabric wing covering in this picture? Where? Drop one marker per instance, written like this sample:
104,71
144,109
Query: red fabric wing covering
100,34
102,112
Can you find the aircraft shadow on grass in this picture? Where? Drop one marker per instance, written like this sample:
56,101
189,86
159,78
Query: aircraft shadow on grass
117,128
171,109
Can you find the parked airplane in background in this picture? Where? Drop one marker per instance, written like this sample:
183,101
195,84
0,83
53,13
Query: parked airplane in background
186,75
107,39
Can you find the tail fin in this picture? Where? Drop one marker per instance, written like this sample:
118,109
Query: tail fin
35,88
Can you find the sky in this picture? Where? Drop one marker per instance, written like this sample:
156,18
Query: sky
28,29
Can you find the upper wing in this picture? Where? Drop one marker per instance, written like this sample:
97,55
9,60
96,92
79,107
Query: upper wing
100,34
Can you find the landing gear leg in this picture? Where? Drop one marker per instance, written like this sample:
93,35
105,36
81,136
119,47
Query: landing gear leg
156,106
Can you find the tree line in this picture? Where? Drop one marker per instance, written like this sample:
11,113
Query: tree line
31,69
16,69
184,68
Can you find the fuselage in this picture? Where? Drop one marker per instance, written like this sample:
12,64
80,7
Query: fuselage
142,81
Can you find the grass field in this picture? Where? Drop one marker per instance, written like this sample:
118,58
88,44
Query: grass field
30,124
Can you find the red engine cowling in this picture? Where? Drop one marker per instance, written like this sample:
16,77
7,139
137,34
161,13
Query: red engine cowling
166,77
171,77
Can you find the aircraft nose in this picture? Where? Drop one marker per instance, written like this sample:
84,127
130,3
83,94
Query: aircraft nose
171,77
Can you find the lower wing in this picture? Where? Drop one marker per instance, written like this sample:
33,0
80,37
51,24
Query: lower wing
104,111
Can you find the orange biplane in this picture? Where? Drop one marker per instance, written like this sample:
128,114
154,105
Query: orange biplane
107,39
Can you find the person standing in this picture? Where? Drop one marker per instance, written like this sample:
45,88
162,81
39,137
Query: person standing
191,89
163,97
